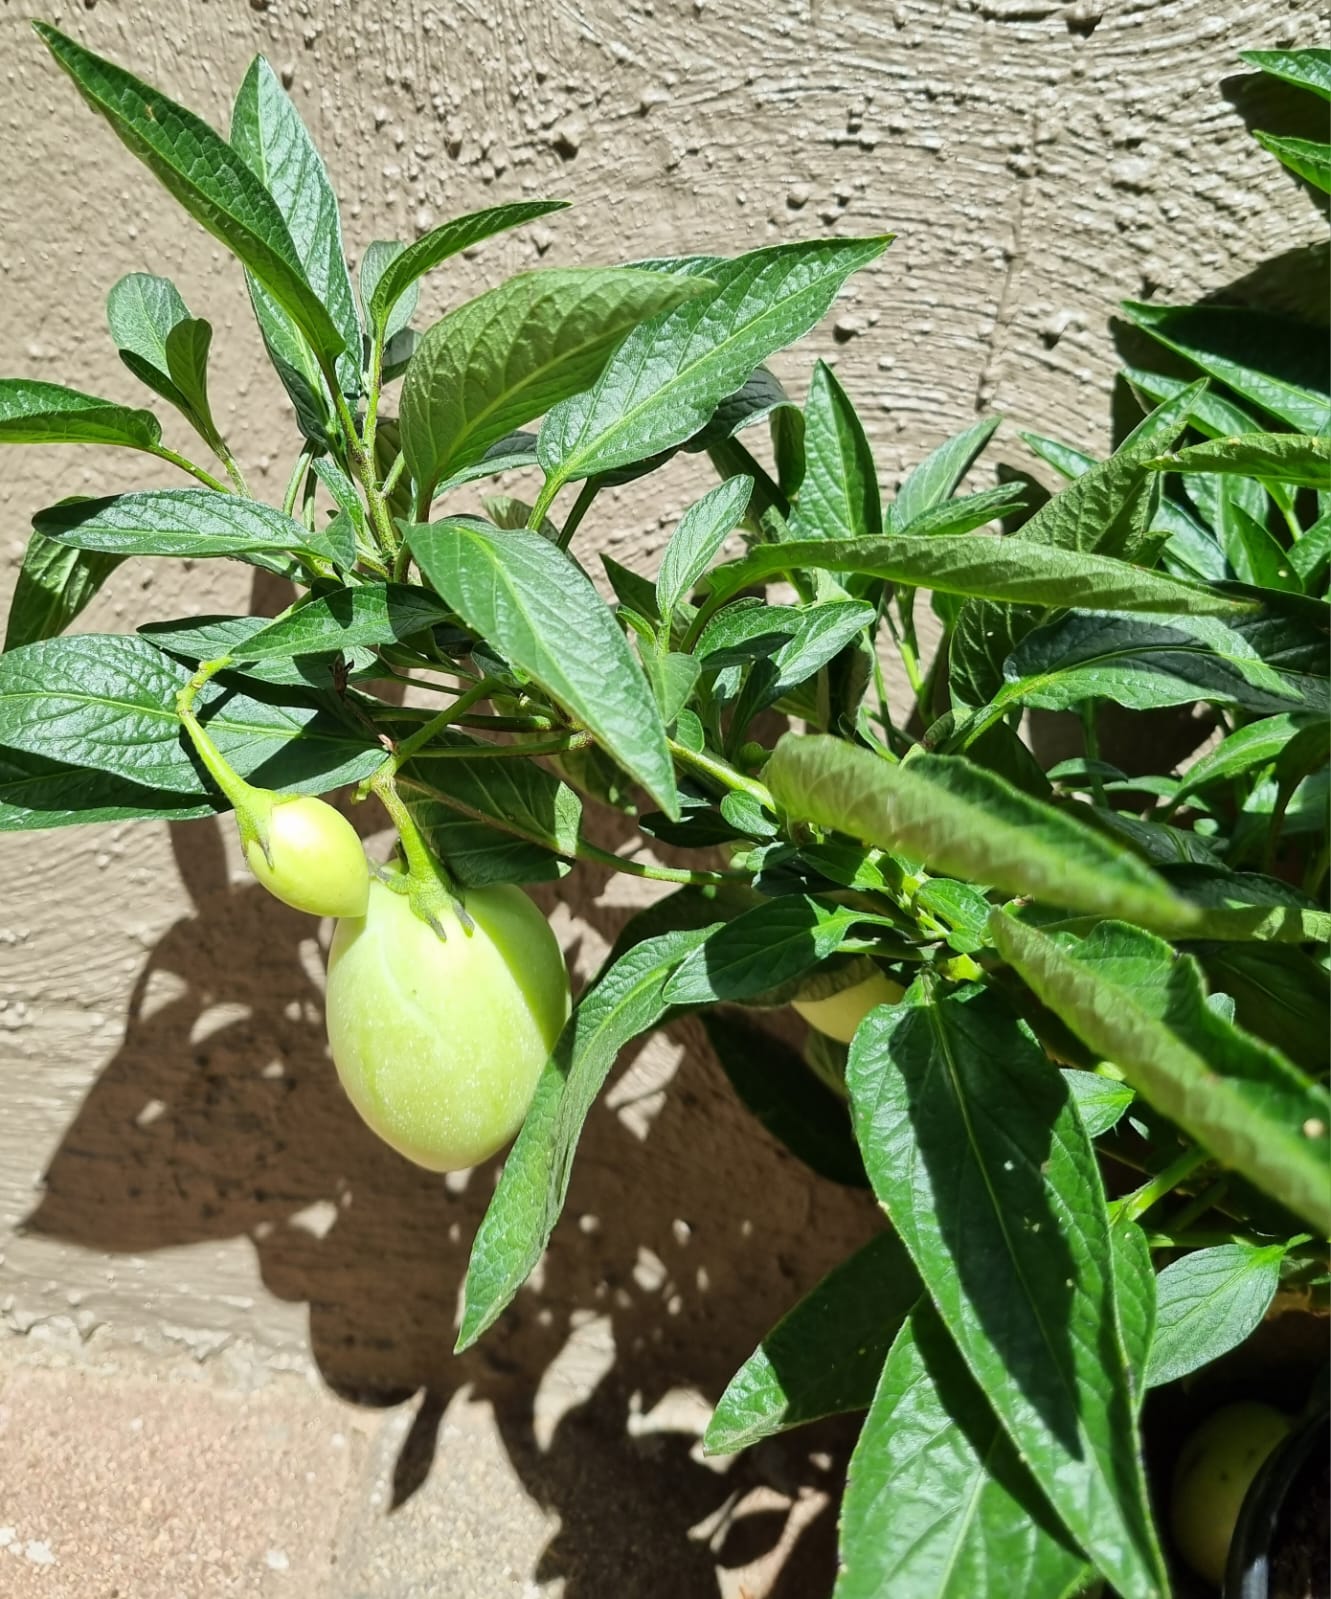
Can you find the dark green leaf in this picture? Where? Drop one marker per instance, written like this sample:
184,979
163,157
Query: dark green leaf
539,609
1309,159
702,530
183,522
206,176
1143,663
269,136
1284,457
1207,1303
823,1357
37,793
371,613
54,584
1267,360
107,701
512,353
938,1505
1008,570
209,638
627,999
762,950
1306,69
1131,999
1100,1101
964,822
934,481
45,413
786,1097
838,496
401,271
977,1154
669,375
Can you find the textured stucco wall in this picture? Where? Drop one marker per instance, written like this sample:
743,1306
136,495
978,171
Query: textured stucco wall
160,1042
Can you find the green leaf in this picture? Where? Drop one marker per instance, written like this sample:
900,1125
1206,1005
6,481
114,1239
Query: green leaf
1267,360
107,701
1143,663
938,1505
54,584
762,950
268,134
539,609
967,514
779,1089
162,344
512,353
1008,570
673,678
1106,512
369,614
934,481
824,1356
760,397
402,271
45,413
1132,1000
702,530
1208,1303
1306,69
627,999
1283,457
1101,1102
207,177
814,636
1309,159
838,496
379,253
1243,750
1069,463
209,638
1310,555
669,375
1281,994
962,821
978,1156
38,793
182,522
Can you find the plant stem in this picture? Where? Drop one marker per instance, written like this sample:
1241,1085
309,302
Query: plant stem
372,391
231,783
1090,733
705,764
544,500
294,482
186,465
586,494
362,469
1198,1207
474,752
394,473
1134,1205
660,874
422,736
1316,872
223,452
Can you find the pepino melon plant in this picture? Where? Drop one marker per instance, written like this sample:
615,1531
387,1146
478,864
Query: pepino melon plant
1067,1017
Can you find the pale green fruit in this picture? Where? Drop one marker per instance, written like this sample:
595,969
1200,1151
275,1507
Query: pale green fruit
315,862
838,1015
439,1042
1213,1474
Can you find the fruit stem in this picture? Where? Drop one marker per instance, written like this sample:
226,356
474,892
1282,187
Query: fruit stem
428,886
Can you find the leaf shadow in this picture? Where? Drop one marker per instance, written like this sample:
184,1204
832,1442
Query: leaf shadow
220,1117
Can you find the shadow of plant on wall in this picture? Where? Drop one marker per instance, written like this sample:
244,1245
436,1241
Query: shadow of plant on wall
220,1116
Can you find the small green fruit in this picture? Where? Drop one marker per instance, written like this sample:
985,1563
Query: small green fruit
840,1013
1213,1474
439,1042
314,861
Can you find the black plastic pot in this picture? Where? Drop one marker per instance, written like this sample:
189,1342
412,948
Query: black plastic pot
1257,1534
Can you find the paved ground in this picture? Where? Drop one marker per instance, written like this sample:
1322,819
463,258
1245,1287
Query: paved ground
128,1477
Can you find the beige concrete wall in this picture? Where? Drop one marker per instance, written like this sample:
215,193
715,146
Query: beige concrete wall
176,1167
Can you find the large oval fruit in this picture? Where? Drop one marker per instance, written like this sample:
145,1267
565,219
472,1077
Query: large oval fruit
1215,1470
838,1014
439,1042
317,863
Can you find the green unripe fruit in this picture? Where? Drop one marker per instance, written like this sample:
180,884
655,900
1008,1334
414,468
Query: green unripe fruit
840,1013
439,1042
1213,1474
313,861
